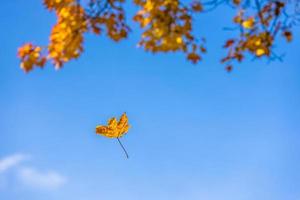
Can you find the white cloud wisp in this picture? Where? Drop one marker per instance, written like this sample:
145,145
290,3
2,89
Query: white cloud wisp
12,161
38,179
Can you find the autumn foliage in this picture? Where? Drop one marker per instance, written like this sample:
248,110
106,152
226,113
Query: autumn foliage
258,32
167,26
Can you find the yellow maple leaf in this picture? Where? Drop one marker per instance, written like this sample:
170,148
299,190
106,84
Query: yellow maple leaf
115,129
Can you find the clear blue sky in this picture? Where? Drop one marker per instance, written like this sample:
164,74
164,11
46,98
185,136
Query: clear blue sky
197,131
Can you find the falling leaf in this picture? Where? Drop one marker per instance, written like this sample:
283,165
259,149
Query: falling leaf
115,129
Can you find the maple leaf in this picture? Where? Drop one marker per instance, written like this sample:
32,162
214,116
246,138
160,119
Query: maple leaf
31,56
115,129
193,57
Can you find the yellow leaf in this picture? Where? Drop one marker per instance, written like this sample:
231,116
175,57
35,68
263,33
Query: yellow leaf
260,52
179,40
114,128
249,23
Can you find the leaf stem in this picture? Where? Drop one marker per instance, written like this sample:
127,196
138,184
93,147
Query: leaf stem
127,156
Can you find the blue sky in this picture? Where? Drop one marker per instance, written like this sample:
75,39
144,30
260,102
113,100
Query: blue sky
197,131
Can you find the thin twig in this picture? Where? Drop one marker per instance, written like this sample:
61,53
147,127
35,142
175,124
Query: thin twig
127,156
